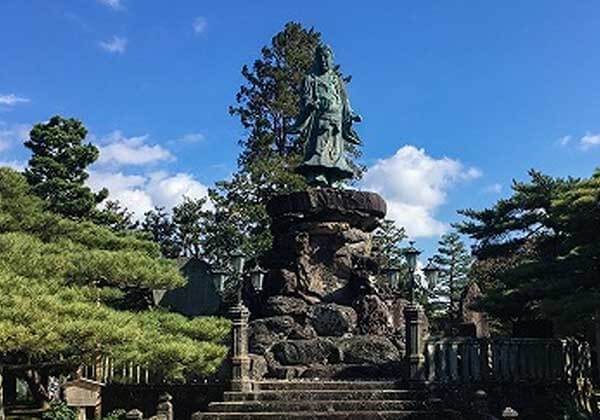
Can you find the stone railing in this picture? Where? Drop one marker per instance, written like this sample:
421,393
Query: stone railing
470,360
106,371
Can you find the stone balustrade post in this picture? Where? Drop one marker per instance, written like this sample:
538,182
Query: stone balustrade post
164,408
415,359
134,414
240,362
510,413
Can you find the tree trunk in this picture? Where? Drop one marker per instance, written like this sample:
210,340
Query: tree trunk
37,388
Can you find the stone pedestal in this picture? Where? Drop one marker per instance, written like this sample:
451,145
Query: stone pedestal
415,359
240,361
322,244
322,315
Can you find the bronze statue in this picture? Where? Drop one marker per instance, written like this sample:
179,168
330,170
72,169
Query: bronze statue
325,121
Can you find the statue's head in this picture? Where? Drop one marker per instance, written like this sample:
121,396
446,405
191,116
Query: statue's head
323,59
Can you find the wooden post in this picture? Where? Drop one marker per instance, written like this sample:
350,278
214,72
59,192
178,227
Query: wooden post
413,318
240,362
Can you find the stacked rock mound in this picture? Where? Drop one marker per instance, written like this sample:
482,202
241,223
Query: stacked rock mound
321,314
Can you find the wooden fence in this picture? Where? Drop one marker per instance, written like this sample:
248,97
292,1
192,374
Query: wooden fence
471,360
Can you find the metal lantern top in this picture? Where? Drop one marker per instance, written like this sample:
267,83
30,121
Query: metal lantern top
411,254
431,272
218,277
237,261
393,276
257,276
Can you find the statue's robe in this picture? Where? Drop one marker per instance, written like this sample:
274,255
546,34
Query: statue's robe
326,125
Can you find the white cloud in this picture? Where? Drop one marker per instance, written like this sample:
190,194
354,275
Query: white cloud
200,24
120,150
589,140
12,134
167,191
116,45
414,185
12,99
113,4
141,193
493,189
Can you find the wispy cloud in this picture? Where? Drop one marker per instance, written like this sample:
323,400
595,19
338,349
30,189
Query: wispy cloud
190,138
565,140
113,4
200,24
11,99
116,45
13,134
17,165
493,189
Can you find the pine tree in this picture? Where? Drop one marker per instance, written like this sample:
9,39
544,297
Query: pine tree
454,262
387,248
115,216
63,288
189,218
57,168
158,224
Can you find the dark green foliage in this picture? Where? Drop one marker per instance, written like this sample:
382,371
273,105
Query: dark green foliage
454,262
57,168
59,411
542,247
116,415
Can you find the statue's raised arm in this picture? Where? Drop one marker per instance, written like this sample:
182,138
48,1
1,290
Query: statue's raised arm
325,123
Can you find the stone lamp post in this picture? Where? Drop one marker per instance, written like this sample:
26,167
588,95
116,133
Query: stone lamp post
414,319
239,314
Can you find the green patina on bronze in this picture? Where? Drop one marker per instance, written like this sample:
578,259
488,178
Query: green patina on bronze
325,121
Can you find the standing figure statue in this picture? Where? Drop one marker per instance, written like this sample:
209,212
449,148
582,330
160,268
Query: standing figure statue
325,122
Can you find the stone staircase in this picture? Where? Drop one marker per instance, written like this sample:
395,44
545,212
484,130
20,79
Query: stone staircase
351,400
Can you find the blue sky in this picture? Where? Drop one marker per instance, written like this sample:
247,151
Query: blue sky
458,98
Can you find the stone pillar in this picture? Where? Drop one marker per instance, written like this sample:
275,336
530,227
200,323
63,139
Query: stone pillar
2,415
240,362
415,359
164,408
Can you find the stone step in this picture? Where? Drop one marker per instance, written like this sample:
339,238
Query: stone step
311,385
322,406
327,394
339,415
